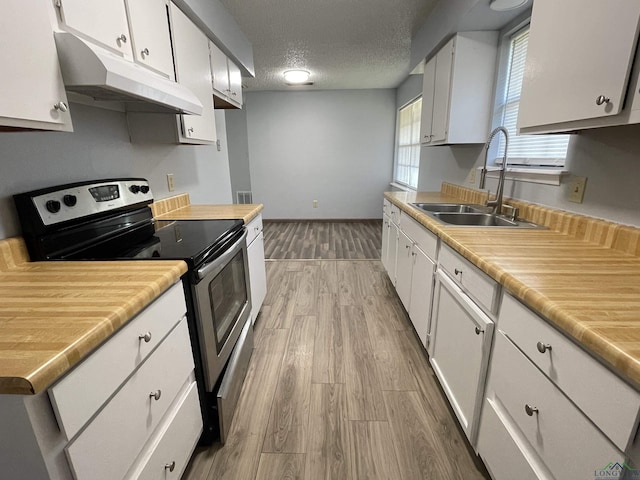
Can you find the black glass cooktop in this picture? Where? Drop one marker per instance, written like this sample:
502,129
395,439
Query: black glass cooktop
188,240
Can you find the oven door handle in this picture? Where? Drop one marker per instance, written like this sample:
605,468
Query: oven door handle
216,265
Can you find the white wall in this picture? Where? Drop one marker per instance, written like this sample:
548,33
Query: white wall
332,146
237,139
100,148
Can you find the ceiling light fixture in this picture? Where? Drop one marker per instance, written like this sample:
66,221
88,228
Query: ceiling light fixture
504,5
296,77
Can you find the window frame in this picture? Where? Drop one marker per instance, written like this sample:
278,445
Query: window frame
530,170
416,145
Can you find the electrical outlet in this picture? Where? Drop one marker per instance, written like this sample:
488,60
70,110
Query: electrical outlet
170,184
576,190
315,204
472,176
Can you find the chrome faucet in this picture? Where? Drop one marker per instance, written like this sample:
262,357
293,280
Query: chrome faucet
497,203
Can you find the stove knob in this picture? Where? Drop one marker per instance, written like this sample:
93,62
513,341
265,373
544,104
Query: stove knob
134,188
70,200
144,188
53,206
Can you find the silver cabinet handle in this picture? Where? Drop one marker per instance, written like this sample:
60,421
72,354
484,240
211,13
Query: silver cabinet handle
479,330
122,38
61,106
601,99
529,410
457,272
145,52
543,347
233,93
170,466
407,246
145,336
156,395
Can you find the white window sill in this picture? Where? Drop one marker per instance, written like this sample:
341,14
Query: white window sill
546,176
404,188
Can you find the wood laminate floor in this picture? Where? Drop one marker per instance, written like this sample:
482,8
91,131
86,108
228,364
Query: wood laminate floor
360,239
338,387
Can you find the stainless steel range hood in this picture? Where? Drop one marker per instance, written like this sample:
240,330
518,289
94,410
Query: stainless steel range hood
95,72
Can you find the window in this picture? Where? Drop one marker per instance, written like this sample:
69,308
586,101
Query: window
408,144
539,150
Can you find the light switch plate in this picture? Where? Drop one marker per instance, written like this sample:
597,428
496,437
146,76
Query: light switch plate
576,190
170,184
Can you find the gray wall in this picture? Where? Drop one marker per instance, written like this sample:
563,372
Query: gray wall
100,148
237,139
608,157
332,146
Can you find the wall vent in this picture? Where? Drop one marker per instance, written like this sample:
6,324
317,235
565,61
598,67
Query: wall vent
244,197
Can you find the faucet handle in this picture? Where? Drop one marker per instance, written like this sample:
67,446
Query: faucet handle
511,211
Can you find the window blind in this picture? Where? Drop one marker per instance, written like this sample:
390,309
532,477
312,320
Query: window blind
539,150
408,144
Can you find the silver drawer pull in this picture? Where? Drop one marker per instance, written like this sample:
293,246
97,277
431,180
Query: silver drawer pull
146,337
601,100
170,466
543,347
61,106
122,38
457,272
156,395
145,52
479,330
530,410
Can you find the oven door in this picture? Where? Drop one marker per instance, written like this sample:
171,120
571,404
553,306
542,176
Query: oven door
222,301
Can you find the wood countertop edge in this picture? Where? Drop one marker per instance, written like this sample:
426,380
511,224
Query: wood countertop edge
626,366
49,372
186,212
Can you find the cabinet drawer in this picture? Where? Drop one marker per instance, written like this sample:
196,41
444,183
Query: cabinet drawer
502,454
427,241
599,393
478,284
566,441
114,438
254,227
80,394
174,443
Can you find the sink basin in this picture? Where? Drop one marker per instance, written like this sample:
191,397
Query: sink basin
480,220
450,207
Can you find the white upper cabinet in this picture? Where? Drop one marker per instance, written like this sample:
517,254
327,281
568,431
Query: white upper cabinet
103,21
578,65
151,40
458,90
193,70
227,80
33,94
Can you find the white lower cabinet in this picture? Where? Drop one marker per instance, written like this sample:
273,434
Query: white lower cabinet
460,346
386,228
421,293
118,414
404,269
549,431
257,271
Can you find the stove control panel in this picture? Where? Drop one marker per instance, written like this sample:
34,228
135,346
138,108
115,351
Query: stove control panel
80,200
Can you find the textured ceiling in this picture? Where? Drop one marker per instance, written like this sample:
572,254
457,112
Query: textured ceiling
343,43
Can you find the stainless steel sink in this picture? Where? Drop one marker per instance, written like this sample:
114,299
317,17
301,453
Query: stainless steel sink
451,207
480,220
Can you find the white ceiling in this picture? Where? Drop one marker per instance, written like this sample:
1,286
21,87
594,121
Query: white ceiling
345,44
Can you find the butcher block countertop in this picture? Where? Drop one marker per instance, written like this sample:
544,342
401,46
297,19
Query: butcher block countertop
582,274
179,207
53,314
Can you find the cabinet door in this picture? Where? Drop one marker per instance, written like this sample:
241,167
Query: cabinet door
404,268
442,90
385,241
428,88
421,293
257,274
151,37
235,83
193,70
392,252
578,51
104,21
32,85
219,70
461,339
